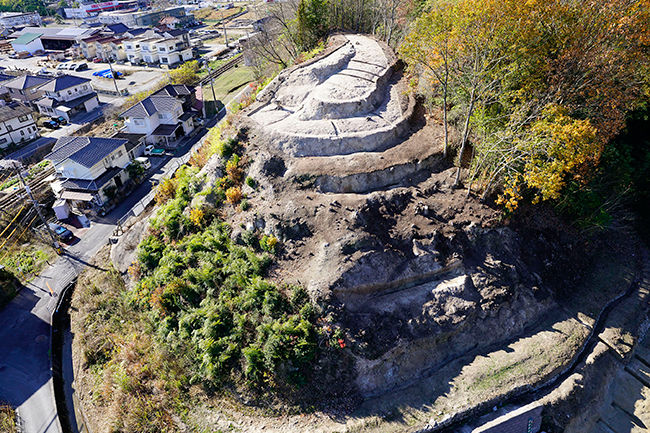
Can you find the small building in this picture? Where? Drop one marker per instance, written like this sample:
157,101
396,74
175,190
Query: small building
67,95
29,42
16,124
26,88
87,169
17,19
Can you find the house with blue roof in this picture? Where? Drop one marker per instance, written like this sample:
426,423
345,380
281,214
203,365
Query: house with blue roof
88,167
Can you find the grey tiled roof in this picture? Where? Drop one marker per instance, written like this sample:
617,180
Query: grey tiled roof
174,90
64,82
86,151
26,82
151,105
11,111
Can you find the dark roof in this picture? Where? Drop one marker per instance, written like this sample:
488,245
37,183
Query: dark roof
176,32
134,139
63,82
74,103
138,31
27,82
151,105
165,130
118,28
86,151
5,77
11,111
187,115
80,184
174,90
107,176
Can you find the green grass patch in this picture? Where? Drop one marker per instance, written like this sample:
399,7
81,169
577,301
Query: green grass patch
229,84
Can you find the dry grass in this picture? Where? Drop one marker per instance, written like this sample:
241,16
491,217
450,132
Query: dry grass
7,419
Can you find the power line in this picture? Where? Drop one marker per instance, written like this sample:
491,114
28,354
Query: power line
19,236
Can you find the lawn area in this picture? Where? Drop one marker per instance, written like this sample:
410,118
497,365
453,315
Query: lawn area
229,84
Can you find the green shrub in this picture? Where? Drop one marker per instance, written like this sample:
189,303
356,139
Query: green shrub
250,182
244,205
269,243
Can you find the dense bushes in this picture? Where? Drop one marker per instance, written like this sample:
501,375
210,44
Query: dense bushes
207,296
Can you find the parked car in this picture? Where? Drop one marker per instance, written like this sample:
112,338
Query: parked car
50,124
81,67
62,66
97,60
61,232
144,161
150,150
60,120
72,66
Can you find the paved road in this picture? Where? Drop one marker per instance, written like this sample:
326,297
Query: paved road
25,324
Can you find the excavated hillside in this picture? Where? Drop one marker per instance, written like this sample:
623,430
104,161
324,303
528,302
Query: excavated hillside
445,309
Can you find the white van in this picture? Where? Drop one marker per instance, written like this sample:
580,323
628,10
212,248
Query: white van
145,162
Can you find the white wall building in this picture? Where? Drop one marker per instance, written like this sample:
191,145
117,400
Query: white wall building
66,96
18,19
16,124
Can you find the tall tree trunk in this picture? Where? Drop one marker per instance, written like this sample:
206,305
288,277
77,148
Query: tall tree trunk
470,110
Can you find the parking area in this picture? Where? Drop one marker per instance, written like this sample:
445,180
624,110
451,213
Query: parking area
136,78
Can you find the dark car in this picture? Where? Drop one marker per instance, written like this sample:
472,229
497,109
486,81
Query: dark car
81,67
50,124
60,120
61,232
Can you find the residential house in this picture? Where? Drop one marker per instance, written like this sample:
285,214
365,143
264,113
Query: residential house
117,49
88,47
160,118
132,50
67,95
4,92
170,23
134,33
26,88
172,51
186,94
149,49
29,42
87,168
16,124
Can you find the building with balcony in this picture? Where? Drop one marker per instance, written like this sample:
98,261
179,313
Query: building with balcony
160,118
66,96
87,168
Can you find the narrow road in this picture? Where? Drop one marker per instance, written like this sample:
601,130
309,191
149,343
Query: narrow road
25,324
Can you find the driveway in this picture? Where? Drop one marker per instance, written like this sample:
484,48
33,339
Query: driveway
25,324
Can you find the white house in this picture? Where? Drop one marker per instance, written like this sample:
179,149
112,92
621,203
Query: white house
16,124
160,118
87,168
66,96
149,49
29,42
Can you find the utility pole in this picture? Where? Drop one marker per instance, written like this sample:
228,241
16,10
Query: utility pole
55,243
223,23
110,65
212,85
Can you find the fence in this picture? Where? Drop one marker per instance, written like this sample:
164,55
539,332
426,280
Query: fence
140,206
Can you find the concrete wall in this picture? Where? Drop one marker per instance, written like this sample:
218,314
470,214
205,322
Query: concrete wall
523,420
